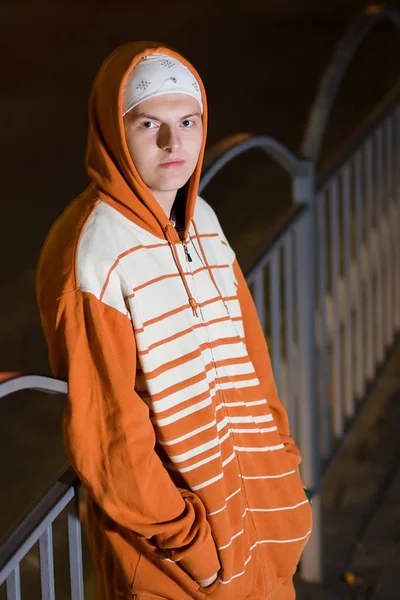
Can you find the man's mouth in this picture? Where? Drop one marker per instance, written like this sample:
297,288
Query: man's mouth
175,162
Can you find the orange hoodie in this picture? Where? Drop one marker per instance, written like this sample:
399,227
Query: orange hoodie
173,422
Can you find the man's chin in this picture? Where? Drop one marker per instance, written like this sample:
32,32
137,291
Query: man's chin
173,184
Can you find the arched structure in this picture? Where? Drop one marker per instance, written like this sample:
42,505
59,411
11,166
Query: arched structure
334,73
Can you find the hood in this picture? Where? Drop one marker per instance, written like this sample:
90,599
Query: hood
108,160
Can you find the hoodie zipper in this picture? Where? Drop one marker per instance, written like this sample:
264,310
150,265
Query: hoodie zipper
189,260
188,257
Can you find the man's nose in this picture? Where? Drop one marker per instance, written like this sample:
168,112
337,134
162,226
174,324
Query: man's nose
169,139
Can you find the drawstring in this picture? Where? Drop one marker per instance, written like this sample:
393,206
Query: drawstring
206,262
192,301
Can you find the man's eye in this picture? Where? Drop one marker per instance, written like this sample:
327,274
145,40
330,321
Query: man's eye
187,123
148,124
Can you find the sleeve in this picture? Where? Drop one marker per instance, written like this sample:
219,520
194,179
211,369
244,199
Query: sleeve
258,352
109,436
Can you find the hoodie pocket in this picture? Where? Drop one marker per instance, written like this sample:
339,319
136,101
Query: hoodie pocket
208,591
160,580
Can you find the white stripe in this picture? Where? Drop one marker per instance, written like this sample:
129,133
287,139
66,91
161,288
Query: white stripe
206,483
215,512
224,582
186,343
222,423
239,384
181,321
249,419
265,430
225,437
213,479
196,366
200,449
190,434
268,476
196,451
277,509
202,404
263,449
299,539
256,403
183,413
253,403
231,540
200,463
228,460
213,443
233,494
191,390
237,369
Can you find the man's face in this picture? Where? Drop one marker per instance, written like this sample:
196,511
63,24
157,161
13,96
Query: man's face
164,136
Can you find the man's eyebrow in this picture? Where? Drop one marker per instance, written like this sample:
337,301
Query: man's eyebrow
143,115
193,114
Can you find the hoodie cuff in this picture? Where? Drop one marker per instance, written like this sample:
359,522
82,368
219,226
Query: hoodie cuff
203,563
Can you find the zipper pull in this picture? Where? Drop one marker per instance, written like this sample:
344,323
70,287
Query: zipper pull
188,257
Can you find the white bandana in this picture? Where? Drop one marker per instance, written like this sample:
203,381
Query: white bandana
158,74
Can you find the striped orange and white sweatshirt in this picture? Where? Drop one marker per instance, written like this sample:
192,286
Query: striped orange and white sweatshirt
173,422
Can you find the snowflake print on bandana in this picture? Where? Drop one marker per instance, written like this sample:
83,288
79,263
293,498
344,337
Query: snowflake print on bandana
143,85
167,63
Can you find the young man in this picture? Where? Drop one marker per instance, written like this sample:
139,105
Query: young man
173,422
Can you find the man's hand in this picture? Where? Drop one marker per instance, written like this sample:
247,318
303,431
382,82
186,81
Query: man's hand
206,582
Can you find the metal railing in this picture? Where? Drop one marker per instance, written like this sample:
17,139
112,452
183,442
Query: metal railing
326,284
358,212
36,527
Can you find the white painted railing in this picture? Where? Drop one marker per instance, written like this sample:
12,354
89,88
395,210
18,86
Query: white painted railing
358,276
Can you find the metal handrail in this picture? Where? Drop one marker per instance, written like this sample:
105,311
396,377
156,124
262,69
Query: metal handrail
231,147
334,162
40,383
36,523
275,232
20,539
333,75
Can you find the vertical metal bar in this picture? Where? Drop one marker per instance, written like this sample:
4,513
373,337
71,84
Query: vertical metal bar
289,329
390,291
259,295
274,287
311,565
47,564
396,222
75,549
13,584
369,321
337,379
348,295
359,302
323,370
379,258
